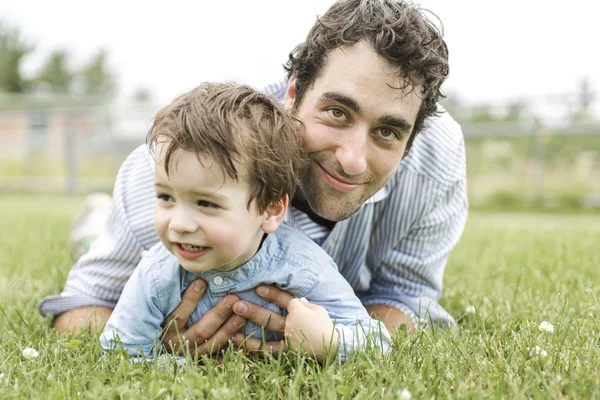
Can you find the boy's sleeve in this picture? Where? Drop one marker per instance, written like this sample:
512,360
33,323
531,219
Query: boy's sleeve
135,323
357,330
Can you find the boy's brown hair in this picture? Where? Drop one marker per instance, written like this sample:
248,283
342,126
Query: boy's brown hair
234,124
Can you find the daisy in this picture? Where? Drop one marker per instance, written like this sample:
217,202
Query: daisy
30,353
546,327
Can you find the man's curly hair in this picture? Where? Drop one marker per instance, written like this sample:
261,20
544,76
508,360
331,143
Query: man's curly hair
399,31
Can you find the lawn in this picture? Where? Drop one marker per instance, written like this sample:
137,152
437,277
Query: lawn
510,273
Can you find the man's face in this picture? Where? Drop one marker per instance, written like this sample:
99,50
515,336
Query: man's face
357,121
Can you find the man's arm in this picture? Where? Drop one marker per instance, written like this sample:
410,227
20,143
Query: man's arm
89,317
95,282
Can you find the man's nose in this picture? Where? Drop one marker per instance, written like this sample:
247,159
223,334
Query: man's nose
351,151
182,222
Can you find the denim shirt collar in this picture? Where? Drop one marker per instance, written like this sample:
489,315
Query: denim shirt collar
243,277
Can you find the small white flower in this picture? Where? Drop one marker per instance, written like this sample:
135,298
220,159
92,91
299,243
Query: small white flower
1,377
538,352
404,394
546,327
470,309
30,353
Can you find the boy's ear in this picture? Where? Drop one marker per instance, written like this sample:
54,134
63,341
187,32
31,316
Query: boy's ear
274,215
290,94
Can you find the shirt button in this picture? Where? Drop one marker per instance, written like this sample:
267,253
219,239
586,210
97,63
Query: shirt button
217,280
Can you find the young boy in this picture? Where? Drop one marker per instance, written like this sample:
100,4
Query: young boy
225,159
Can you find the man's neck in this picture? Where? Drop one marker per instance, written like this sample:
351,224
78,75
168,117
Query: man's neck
303,206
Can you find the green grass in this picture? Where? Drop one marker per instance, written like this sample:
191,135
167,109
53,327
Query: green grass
516,269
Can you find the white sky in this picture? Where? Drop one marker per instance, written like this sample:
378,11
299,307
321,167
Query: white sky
499,50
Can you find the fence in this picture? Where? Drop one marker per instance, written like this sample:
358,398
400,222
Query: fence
77,150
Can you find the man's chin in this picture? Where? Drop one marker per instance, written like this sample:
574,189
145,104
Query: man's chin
332,209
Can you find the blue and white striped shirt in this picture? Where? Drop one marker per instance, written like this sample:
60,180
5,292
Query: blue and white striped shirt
392,251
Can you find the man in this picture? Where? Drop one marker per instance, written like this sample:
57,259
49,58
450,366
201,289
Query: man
363,84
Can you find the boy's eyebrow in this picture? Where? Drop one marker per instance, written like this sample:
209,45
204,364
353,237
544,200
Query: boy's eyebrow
212,195
342,99
202,193
161,185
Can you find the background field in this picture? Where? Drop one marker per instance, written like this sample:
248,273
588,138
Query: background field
517,270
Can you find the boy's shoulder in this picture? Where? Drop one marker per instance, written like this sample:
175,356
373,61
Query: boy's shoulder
160,265
297,248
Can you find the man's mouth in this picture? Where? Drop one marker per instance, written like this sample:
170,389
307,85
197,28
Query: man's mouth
338,183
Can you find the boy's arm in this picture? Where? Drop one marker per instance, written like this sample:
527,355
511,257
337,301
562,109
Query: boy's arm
136,321
356,330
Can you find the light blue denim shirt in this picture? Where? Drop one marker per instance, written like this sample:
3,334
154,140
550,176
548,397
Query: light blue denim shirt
287,259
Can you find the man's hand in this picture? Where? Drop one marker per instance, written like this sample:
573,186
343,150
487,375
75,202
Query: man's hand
309,330
390,316
210,333
268,319
90,317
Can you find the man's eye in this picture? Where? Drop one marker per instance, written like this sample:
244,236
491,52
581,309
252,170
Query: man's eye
336,113
207,204
387,133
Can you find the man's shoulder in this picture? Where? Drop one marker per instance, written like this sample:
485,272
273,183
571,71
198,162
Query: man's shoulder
139,160
438,151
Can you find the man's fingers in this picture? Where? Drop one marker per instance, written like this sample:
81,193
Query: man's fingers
189,300
221,337
260,316
211,322
254,346
275,295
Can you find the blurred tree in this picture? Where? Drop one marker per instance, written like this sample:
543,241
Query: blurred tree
584,101
515,111
142,96
96,78
56,73
482,113
13,48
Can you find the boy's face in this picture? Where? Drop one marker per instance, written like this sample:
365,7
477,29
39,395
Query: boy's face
202,215
357,123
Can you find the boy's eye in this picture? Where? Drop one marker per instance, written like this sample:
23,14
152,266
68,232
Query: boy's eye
207,204
164,197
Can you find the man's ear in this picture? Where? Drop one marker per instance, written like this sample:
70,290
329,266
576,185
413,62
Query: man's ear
274,215
290,94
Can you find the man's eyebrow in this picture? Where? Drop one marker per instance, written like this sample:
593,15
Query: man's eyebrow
161,185
342,99
397,122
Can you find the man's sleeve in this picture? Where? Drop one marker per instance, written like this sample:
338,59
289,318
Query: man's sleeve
408,276
357,330
100,275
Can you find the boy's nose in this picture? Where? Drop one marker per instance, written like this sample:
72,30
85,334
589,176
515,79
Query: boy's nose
182,222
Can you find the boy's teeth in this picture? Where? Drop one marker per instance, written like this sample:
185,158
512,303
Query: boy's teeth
191,248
